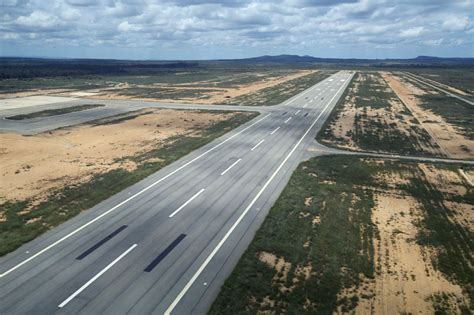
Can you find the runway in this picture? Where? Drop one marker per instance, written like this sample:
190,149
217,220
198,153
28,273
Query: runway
111,108
166,244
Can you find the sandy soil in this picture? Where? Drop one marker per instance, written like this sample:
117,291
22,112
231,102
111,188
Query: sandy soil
405,279
445,86
214,95
31,166
393,116
452,142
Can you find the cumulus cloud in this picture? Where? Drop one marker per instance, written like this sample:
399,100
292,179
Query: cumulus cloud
177,29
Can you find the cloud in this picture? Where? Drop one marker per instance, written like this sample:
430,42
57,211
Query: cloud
456,23
412,32
224,28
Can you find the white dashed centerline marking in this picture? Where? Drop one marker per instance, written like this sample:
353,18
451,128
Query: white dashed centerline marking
233,164
186,203
274,130
261,141
297,112
242,215
286,121
128,199
88,283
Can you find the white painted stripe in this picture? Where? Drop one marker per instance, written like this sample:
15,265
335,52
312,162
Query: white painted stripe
274,130
297,112
127,200
261,141
88,283
233,164
236,223
186,203
286,121
304,106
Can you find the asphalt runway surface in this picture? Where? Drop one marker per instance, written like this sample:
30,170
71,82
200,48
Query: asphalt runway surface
111,108
166,244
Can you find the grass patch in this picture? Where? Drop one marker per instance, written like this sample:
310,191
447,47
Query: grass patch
340,247
323,220
55,112
22,226
378,123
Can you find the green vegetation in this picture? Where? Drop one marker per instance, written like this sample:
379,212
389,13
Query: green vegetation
456,112
454,243
25,221
322,221
340,246
281,92
55,112
379,125
461,78
143,80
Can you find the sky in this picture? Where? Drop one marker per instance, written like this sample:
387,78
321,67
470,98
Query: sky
212,29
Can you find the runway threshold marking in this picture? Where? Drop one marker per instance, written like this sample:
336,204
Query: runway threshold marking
233,164
240,218
102,242
88,283
274,130
128,199
261,141
286,121
164,253
186,203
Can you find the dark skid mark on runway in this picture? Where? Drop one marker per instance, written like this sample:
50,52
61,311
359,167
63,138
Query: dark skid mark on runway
284,113
102,242
164,253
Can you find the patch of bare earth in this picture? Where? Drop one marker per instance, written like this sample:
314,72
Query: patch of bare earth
352,119
32,166
406,281
208,92
451,141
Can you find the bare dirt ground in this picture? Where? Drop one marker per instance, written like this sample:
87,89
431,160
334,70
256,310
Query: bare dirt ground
446,135
355,121
208,92
31,166
445,86
406,280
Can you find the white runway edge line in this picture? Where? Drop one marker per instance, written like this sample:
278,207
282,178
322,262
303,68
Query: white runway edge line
127,200
261,141
232,228
233,164
274,130
186,203
297,96
88,283
286,121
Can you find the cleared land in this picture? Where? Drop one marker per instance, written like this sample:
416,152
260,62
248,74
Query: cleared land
362,235
457,80
449,121
48,178
261,86
371,117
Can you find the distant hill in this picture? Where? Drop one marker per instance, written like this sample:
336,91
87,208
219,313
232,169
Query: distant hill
309,59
